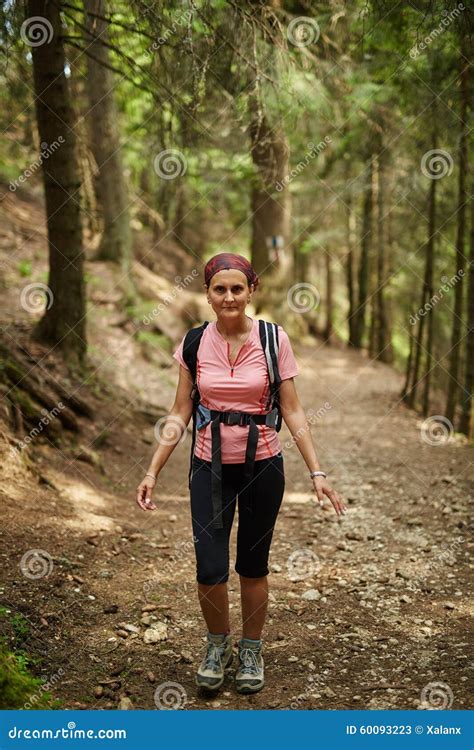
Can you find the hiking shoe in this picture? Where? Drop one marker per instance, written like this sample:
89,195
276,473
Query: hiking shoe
249,676
210,674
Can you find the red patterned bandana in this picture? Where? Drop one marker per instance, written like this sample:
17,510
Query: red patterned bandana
224,261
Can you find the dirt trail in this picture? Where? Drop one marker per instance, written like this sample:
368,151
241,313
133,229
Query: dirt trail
388,613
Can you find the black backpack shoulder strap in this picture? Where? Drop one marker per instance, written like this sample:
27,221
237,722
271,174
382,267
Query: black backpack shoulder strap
270,345
190,350
191,346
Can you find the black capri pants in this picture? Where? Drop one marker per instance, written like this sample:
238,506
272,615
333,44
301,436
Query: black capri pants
256,519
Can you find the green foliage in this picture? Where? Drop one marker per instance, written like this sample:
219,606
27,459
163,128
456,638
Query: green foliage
18,625
92,280
24,268
19,689
155,340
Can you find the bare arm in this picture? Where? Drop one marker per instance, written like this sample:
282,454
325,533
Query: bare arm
294,416
171,430
176,422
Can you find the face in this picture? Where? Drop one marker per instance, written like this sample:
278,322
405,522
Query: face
229,292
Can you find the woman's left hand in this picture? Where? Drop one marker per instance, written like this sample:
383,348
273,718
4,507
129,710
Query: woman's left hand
321,488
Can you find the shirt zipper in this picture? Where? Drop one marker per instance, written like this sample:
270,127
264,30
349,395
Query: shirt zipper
235,360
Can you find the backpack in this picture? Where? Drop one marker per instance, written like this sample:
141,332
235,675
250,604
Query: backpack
270,345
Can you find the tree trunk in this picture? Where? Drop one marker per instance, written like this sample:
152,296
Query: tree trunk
301,265
390,272
430,312
406,386
371,335
116,241
427,281
453,385
383,349
372,284
466,403
181,210
63,323
350,239
366,243
269,205
329,297
85,158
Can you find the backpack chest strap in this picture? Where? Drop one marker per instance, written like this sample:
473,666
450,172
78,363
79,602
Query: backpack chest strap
205,416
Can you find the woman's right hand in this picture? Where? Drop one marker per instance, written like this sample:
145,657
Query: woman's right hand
144,490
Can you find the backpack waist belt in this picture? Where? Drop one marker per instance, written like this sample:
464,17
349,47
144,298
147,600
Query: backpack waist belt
212,416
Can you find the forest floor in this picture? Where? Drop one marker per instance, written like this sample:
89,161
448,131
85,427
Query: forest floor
387,619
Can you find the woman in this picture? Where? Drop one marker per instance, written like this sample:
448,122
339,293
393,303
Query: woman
232,374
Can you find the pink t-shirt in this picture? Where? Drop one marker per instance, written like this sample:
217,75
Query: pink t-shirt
244,387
